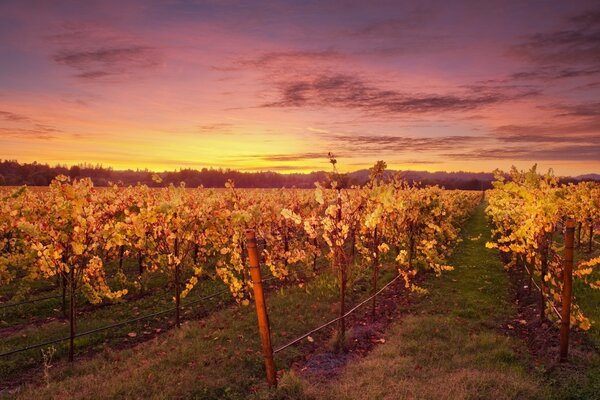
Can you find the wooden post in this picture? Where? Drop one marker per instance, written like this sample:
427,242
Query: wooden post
531,269
121,253
591,238
177,287
375,270
341,264
140,262
316,244
411,249
72,314
543,285
261,309
565,323
63,277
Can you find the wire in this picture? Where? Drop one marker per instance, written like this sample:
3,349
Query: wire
325,325
540,290
115,325
28,301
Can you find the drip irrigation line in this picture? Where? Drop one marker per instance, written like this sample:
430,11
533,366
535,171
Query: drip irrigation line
325,325
115,325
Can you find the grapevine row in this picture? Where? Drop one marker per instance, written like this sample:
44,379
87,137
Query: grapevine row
72,231
526,210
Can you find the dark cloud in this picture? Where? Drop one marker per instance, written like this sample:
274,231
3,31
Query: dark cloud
37,131
567,123
577,44
95,52
26,127
103,62
389,142
555,73
580,110
280,60
345,91
12,117
550,133
566,152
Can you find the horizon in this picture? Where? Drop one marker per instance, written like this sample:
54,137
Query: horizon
227,169
275,86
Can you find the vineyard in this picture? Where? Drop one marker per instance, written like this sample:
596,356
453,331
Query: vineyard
531,214
83,269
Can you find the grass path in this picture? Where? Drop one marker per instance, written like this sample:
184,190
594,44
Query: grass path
451,346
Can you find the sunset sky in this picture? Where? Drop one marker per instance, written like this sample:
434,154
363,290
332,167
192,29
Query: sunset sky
423,85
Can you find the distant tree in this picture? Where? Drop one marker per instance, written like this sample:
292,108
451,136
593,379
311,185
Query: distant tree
75,171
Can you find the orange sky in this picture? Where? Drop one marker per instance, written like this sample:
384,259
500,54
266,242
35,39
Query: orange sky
277,85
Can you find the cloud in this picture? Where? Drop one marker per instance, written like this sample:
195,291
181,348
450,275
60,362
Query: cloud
26,127
96,52
286,57
379,143
12,117
346,91
281,168
568,122
396,32
103,62
553,73
565,152
417,162
220,127
579,43
277,62
580,110
293,157
551,131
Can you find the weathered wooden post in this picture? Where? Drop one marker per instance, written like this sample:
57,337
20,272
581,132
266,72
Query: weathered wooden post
121,255
565,323
177,288
261,309
71,313
591,238
375,276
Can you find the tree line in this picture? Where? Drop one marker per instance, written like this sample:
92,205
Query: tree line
14,173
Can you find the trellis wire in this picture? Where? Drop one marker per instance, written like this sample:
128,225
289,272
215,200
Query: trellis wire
325,325
540,290
115,325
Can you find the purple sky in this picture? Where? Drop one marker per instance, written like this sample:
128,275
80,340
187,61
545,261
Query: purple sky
466,85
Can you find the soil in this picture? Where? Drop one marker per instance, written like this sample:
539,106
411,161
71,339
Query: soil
320,362
541,335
